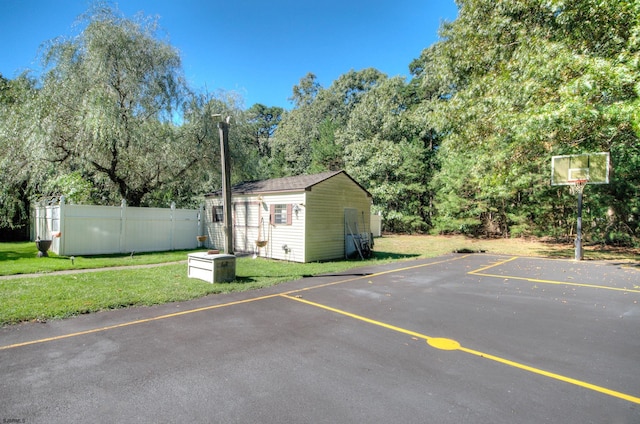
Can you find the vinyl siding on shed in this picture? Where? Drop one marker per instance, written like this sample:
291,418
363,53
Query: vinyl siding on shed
280,235
315,227
325,205
277,235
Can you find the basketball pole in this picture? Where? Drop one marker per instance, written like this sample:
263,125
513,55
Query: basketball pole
577,171
579,254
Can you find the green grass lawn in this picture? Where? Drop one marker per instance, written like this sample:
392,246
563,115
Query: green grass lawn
21,258
63,295
57,296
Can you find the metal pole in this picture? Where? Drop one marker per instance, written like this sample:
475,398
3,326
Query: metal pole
578,254
223,126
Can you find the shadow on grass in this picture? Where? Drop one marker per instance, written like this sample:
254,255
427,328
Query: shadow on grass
250,279
12,251
135,254
557,254
353,263
28,250
592,255
635,265
390,255
245,280
12,255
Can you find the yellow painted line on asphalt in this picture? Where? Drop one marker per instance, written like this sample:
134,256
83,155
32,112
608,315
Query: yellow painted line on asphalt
493,265
207,308
536,280
358,317
450,345
376,274
560,283
136,322
555,376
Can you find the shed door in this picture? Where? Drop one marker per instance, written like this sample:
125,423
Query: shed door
247,218
350,230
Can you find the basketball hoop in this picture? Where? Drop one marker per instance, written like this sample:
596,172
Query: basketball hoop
577,186
577,171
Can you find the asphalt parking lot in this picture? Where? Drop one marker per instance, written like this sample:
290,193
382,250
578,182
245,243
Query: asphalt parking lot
473,338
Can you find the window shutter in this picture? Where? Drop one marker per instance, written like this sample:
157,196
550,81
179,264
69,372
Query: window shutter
289,210
272,214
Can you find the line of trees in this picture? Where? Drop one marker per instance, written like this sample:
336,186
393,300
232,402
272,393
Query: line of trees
463,146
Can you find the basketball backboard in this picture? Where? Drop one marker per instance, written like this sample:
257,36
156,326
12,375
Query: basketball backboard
569,169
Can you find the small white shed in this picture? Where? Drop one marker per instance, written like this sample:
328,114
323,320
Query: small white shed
305,218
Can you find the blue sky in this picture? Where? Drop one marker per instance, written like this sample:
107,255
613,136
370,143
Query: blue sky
260,49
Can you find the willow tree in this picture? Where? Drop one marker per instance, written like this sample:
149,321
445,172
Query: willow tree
17,185
110,107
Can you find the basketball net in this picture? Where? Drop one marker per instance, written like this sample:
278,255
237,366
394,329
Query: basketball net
577,186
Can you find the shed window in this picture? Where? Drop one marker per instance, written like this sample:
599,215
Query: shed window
217,214
281,214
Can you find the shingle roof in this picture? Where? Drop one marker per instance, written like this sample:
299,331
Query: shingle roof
279,185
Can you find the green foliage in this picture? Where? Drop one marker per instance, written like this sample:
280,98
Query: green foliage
463,147
17,168
384,152
264,120
520,82
112,118
362,123
305,130
108,102
326,154
73,186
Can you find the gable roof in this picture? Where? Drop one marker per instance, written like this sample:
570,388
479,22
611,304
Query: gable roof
285,184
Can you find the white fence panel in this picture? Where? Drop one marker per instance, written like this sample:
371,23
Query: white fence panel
186,228
147,229
90,230
47,221
95,230
376,225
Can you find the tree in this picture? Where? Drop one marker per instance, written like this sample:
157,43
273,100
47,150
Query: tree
387,153
304,139
513,83
326,153
111,106
201,124
19,174
306,91
264,120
